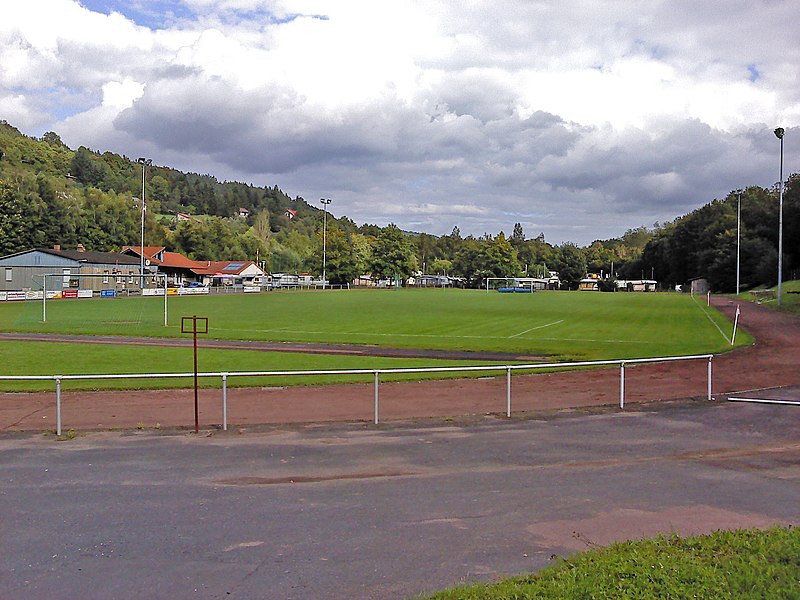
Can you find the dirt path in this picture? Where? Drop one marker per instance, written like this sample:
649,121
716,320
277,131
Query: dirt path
772,361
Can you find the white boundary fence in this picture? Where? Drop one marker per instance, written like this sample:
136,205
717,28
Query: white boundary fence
376,373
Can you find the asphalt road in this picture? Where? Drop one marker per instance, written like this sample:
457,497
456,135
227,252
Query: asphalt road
354,511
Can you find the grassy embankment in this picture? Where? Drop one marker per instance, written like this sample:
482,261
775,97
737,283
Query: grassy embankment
725,564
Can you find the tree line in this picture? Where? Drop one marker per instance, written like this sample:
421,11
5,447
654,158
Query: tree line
50,194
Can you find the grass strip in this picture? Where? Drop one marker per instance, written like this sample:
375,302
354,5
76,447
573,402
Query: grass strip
724,564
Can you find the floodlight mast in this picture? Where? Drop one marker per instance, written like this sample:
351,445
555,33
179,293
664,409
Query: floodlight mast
738,236
325,202
145,162
779,134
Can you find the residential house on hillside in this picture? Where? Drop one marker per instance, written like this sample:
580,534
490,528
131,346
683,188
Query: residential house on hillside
290,214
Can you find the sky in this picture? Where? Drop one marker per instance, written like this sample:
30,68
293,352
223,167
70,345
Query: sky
577,119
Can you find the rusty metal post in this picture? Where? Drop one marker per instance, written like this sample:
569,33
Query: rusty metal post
194,331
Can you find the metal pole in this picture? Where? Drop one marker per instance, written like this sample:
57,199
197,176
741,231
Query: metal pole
325,203
376,396
779,133
196,403
622,385
738,237
508,392
44,299
144,162
224,402
165,299
141,248
709,377
58,405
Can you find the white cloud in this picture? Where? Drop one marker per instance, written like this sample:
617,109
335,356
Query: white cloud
578,120
122,94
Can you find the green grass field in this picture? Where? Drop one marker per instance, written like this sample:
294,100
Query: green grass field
557,325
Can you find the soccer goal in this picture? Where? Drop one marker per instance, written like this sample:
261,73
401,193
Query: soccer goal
133,287
511,284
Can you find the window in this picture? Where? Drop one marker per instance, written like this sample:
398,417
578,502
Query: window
65,280
105,276
9,274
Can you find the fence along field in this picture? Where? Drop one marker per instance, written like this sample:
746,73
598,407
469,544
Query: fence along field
555,326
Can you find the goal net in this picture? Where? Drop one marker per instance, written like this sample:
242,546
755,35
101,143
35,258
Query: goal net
526,284
106,302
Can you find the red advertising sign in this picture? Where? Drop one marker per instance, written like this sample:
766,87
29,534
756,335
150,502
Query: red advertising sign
69,294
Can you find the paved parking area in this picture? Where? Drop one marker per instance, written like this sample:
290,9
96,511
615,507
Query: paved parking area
357,511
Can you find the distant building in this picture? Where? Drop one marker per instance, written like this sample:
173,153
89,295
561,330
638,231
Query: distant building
24,271
637,285
182,271
699,285
290,214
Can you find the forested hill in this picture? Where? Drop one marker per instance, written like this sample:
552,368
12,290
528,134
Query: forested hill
51,194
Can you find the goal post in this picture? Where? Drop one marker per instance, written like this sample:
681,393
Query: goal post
521,282
109,285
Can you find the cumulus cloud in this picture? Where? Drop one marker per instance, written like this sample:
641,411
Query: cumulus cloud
578,121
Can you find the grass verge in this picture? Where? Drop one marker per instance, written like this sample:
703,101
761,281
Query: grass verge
725,564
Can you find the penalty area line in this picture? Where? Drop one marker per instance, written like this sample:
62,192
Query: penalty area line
535,328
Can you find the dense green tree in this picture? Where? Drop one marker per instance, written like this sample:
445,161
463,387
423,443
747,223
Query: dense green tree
14,230
261,227
341,262
570,263
441,266
486,257
363,246
87,169
393,254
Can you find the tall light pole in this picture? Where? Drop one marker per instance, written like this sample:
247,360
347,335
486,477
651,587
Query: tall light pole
738,235
325,202
779,135
145,162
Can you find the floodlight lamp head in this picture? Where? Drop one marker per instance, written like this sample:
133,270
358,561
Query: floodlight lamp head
779,133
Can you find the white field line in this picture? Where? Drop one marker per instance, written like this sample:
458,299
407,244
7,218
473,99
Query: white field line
765,401
705,312
535,328
433,335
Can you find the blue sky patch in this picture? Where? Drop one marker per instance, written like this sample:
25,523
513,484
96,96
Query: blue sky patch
153,15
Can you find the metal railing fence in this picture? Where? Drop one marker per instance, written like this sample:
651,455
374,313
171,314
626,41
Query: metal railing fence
376,373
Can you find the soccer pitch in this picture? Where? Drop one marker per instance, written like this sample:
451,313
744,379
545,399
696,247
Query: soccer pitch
559,325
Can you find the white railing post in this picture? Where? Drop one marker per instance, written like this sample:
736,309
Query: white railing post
377,377
709,376
224,402
508,391
622,385
58,405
